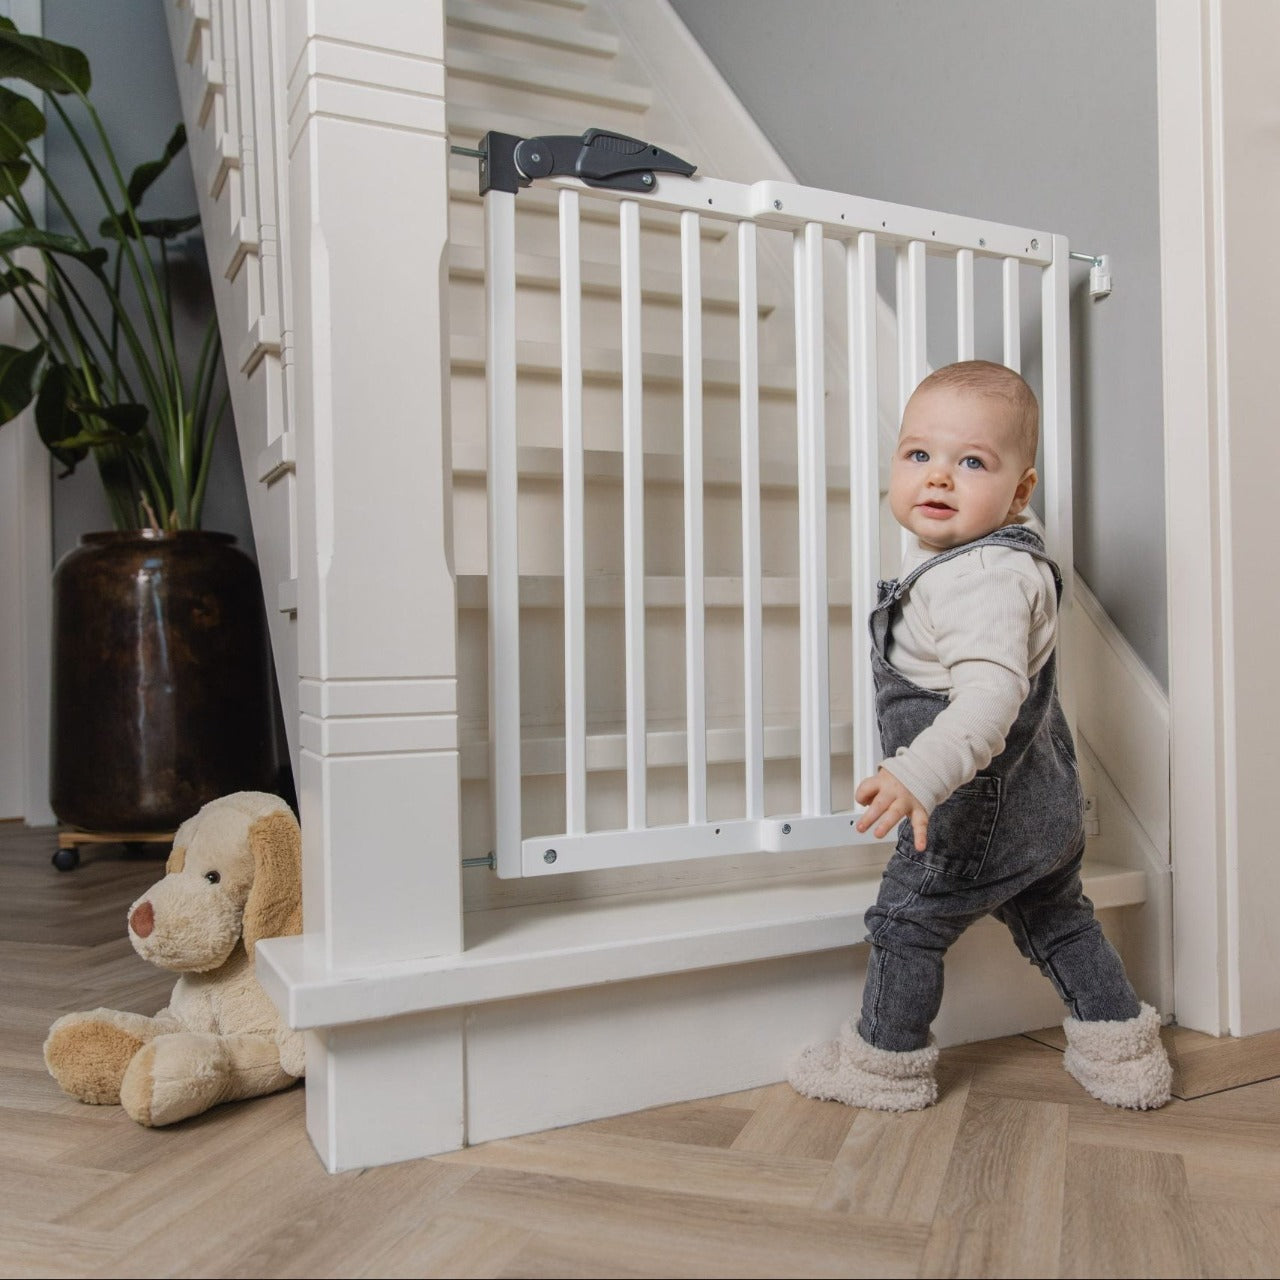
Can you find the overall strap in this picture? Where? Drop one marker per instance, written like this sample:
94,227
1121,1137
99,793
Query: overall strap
1015,536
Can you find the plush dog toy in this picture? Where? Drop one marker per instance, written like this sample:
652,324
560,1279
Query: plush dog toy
234,876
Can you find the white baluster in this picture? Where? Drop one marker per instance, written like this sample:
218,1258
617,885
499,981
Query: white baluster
633,510
864,489
504,542
752,616
694,566
964,304
1012,311
815,706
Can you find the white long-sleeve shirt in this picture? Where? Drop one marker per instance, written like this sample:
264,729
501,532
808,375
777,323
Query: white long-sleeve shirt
975,627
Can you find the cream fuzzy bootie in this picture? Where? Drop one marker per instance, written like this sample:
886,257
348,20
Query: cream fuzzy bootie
1121,1063
851,1071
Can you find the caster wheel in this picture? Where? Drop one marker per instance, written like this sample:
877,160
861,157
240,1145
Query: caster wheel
66,859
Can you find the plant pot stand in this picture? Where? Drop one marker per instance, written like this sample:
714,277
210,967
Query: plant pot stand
67,858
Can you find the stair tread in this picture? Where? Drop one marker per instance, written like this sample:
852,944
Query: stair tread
468,352
466,262
605,590
561,82
666,744
546,462
557,32
548,946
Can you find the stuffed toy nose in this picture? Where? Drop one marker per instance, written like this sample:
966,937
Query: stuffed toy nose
143,919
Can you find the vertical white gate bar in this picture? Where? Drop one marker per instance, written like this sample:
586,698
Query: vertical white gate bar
912,314
815,703
575,644
1055,416
864,489
694,618
752,613
633,510
504,565
1012,309
964,304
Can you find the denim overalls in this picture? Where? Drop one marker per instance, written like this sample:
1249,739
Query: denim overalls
1009,843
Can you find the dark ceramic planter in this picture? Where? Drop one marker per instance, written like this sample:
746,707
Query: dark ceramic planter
162,695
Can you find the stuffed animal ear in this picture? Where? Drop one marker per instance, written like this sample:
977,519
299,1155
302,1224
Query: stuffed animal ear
274,906
177,858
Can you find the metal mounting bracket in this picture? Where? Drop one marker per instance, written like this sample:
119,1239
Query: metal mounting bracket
600,158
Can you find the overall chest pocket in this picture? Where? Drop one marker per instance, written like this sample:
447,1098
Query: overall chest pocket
960,830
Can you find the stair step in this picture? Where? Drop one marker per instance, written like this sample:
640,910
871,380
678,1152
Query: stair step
470,460
605,591
605,364
516,951
666,745
556,82
466,262
558,33
464,188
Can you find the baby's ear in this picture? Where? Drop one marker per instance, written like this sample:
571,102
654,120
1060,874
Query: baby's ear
1026,487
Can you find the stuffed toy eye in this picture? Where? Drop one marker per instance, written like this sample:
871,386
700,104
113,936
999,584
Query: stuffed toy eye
212,877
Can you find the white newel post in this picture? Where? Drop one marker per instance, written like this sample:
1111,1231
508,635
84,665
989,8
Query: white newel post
378,785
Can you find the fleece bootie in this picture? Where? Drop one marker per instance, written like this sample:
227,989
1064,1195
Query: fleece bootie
1121,1063
851,1071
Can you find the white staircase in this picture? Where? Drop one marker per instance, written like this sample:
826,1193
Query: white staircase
447,1006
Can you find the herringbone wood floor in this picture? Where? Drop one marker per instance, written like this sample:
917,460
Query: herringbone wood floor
1014,1173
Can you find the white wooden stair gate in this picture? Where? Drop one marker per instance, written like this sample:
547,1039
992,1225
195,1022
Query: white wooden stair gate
319,141
813,218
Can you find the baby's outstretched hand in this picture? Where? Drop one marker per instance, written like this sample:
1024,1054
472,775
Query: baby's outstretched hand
888,802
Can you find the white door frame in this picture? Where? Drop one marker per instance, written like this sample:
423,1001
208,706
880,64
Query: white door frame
26,544
1220,269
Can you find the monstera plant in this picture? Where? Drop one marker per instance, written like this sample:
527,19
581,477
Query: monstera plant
104,370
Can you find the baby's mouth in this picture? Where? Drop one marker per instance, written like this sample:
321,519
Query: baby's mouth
936,509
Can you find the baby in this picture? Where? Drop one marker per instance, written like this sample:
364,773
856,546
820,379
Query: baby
980,770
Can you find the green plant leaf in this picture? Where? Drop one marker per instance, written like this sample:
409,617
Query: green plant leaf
20,121
145,174
45,64
13,173
49,242
125,420
158,228
54,420
17,369
15,279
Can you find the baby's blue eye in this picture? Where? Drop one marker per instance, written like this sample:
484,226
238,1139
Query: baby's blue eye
973,464
917,455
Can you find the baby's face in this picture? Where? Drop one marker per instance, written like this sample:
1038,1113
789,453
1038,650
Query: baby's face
958,471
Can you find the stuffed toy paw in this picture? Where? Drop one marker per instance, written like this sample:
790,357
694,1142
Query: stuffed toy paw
234,876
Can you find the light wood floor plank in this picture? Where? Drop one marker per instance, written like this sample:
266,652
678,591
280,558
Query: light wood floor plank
1126,1213
893,1166
639,1162
1000,1210
611,1229
444,1245
1235,1239
786,1124
697,1123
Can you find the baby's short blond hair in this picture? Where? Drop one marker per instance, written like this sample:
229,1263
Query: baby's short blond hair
985,377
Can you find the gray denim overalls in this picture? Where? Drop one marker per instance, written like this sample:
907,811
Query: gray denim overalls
1009,843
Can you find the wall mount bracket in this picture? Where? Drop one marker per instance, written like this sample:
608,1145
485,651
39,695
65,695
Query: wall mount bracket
600,158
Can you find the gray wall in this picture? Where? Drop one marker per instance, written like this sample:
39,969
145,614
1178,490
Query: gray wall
1038,114
136,95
